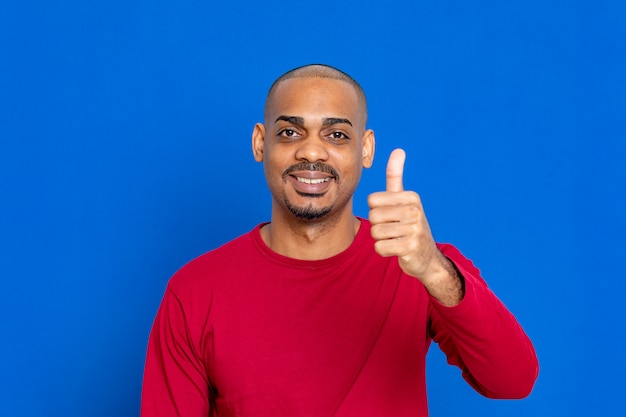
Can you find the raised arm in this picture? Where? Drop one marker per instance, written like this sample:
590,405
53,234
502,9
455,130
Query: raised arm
472,327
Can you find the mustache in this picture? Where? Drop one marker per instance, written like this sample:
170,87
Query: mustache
311,166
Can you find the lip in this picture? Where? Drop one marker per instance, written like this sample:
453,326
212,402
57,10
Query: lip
311,182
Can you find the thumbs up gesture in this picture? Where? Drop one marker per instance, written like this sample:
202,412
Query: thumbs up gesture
400,229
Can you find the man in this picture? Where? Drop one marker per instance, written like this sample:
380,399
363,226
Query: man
319,312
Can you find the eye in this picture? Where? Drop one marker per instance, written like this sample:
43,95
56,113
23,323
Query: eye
338,136
288,133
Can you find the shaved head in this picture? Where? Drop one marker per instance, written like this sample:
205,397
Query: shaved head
317,71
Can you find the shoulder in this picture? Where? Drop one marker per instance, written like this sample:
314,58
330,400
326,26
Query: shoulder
206,268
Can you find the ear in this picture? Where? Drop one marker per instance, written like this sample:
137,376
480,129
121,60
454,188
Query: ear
369,147
258,142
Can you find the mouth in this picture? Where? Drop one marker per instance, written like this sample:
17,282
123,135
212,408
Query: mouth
313,181
311,184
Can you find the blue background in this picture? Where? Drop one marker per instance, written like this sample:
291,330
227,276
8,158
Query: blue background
125,152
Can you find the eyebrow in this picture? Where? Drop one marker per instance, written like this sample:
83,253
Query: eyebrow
329,121
294,120
299,121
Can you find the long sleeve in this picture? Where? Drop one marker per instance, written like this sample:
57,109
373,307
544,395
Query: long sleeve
175,381
483,338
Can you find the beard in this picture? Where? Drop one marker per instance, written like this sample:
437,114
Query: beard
308,212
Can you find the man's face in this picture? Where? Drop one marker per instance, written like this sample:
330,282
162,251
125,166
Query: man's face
313,146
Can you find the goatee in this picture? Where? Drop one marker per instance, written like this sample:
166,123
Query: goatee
309,212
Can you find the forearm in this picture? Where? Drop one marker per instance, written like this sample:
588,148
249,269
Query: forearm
444,282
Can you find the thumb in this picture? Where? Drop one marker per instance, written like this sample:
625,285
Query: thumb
395,168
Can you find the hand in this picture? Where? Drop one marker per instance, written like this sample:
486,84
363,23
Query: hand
400,229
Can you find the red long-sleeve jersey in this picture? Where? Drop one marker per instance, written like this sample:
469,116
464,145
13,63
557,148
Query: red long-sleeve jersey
243,331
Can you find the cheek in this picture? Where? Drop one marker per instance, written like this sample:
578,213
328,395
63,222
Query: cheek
351,163
274,170
350,177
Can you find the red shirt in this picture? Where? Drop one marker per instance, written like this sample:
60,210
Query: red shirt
243,331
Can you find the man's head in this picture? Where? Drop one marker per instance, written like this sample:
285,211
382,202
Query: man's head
317,71
313,143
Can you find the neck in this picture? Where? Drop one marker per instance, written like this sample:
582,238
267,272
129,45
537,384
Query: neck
310,240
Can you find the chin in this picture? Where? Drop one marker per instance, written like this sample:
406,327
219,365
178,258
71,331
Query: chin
308,212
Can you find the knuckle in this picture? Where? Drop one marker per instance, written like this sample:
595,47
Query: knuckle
415,196
414,212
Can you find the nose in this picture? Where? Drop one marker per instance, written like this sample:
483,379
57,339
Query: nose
311,150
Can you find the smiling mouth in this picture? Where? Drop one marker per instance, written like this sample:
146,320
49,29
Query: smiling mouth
307,185
313,180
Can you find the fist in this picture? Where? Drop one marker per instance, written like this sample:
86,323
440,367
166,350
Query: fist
399,225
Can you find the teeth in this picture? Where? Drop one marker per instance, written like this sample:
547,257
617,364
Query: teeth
313,181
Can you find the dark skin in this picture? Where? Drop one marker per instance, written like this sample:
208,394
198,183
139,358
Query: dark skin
314,145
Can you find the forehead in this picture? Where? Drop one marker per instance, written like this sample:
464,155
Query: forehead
314,95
